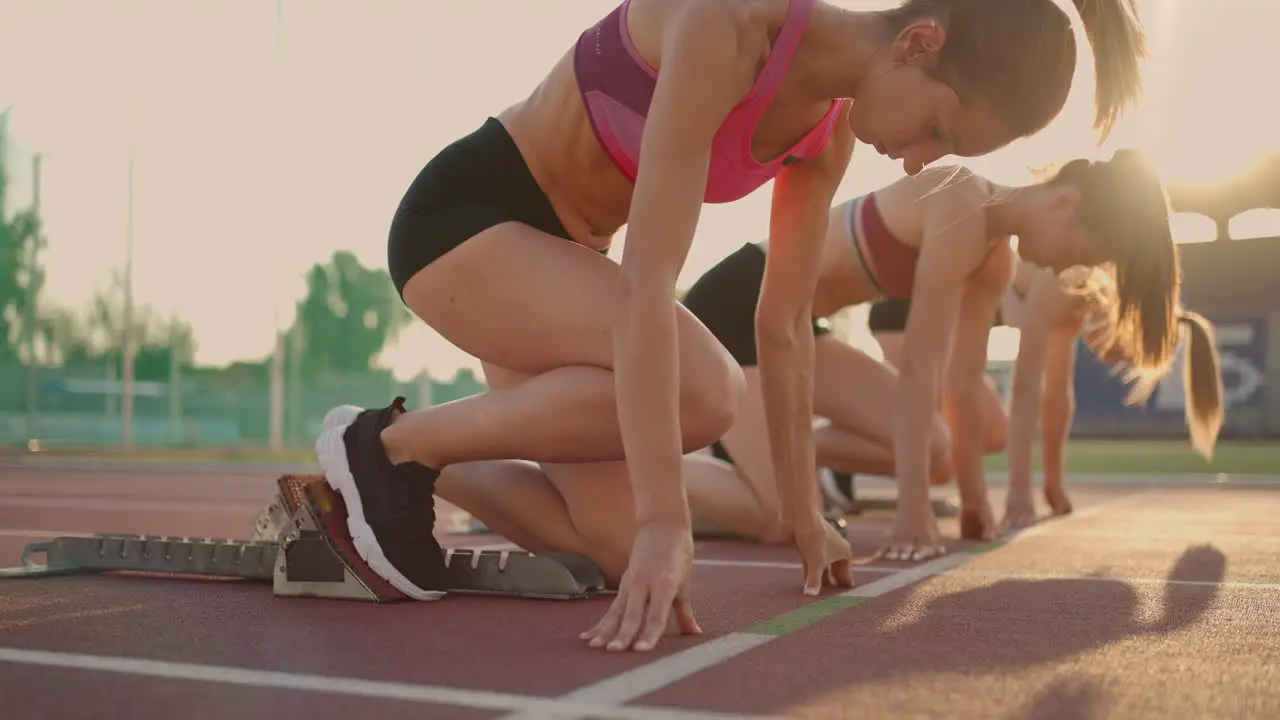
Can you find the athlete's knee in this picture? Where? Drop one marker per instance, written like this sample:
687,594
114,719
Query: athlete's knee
994,420
711,394
608,546
997,434
940,467
609,557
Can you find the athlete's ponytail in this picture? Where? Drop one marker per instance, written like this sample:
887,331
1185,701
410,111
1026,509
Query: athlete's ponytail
1202,379
1119,44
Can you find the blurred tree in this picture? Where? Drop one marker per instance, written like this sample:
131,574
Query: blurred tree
21,276
349,315
97,337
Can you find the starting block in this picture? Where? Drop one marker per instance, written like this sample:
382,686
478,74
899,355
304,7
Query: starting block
941,507
312,557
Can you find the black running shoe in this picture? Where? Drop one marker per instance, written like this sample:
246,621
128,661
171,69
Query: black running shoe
390,508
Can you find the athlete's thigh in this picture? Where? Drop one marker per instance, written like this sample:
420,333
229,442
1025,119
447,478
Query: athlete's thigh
853,390
532,302
891,346
748,442
598,495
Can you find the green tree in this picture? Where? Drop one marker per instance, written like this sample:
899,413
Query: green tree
21,276
97,337
349,314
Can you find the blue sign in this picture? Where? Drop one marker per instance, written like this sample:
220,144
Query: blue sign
1242,347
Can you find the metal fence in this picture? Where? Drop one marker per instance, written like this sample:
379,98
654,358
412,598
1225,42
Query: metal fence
52,407
81,406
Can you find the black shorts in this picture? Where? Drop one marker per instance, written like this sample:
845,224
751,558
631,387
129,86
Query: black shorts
725,298
890,316
473,184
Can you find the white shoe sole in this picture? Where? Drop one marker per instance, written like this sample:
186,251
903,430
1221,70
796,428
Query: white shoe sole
331,453
272,522
827,479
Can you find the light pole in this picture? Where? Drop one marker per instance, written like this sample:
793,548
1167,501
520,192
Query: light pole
275,412
126,403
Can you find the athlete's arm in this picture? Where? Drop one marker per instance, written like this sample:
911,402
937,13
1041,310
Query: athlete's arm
1059,401
802,197
1041,391
954,243
703,76
965,388
1024,406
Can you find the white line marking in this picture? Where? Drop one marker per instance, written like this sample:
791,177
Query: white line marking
343,686
42,534
627,686
110,504
769,565
665,671
87,467
1130,481
1117,579
908,576
651,677
1141,532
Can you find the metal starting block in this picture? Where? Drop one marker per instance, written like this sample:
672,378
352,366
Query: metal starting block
312,557
941,507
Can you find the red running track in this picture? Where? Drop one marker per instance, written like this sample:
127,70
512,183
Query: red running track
1149,602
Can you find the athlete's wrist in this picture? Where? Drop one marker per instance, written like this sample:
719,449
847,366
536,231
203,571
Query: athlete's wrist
666,515
800,501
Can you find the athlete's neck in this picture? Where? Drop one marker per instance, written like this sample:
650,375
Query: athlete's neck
1007,209
836,52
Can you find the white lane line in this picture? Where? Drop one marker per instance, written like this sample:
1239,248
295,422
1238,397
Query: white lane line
645,679
650,677
771,565
110,504
42,534
325,684
1238,584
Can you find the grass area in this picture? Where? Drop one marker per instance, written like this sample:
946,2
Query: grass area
1170,457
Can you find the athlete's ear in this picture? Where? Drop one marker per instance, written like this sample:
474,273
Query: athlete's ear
1066,197
919,43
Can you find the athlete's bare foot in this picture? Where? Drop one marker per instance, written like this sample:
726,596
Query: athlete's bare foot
978,523
1056,496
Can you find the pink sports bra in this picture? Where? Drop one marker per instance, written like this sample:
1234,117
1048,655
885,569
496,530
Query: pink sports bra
617,86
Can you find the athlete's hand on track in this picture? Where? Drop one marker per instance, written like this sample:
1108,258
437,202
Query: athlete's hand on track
827,557
658,579
1020,509
915,537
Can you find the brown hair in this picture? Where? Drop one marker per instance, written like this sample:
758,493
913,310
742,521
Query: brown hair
1203,381
1201,377
1020,55
1125,212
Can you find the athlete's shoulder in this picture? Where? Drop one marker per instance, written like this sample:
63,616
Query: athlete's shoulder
949,181
679,16
721,29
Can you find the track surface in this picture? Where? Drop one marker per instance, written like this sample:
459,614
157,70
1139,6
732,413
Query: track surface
1150,601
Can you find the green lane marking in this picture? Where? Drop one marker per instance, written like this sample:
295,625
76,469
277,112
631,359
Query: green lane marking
794,620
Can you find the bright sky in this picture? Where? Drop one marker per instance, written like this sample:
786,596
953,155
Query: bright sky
260,149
